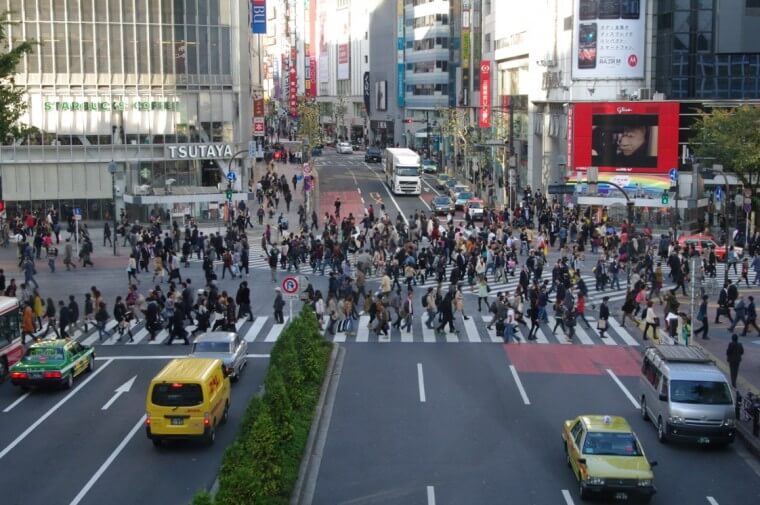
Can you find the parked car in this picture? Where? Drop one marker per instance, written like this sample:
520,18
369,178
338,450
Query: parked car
442,205
373,154
429,166
344,148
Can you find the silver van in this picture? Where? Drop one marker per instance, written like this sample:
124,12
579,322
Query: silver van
686,396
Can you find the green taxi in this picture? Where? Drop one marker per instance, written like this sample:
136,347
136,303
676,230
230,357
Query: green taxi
52,363
607,458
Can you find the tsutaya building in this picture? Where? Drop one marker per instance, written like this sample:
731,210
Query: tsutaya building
161,90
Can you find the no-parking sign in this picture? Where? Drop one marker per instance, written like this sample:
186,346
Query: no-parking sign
290,286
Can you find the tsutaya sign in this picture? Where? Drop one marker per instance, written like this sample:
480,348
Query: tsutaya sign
198,151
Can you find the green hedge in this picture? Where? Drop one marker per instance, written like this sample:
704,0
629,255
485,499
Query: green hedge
261,466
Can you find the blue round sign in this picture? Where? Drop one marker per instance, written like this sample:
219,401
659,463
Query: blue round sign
231,176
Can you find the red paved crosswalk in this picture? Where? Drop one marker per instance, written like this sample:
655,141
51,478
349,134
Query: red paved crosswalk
574,359
351,202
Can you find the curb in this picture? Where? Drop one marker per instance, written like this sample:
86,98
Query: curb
303,492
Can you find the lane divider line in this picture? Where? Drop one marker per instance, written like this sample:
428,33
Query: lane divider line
18,400
52,410
100,471
431,495
421,382
568,498
624,389
520,387
712,501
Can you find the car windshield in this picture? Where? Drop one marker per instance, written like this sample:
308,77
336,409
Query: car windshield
215,347
43,354
177,395
428,162
474,205
407,171
442,200
602,443
700,392
464,195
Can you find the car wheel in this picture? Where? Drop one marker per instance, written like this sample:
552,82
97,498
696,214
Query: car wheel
644,414
69,383
582,491
91,364
662,436
210,436
3,369
226,413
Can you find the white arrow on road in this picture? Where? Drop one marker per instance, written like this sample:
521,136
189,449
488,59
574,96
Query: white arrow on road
124,388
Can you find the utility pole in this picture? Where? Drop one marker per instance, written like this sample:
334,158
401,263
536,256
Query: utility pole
112,168
693,303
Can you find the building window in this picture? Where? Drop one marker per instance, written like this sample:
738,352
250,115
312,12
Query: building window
487,43
344,87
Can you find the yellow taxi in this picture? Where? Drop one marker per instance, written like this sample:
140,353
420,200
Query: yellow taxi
607,458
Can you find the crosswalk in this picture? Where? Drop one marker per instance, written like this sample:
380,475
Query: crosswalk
263,329
475,331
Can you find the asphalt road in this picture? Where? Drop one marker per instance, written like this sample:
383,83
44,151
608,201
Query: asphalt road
62,447
475,441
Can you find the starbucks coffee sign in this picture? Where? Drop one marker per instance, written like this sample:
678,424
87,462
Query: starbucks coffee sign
198,151
95,105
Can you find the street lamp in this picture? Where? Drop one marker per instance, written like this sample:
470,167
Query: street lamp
112,169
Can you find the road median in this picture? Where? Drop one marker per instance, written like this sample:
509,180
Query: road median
263,464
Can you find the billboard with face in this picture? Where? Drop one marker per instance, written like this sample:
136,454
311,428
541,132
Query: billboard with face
625,137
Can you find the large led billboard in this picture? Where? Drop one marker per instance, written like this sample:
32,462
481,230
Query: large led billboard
609,39
625,137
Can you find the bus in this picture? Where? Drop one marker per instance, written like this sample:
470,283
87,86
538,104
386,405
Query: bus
11,349
402,171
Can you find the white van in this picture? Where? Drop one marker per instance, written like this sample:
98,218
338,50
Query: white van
686,396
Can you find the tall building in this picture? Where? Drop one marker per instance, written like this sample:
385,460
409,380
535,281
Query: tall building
342,58
160,87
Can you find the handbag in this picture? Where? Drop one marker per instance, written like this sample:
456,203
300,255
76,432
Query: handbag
656,321
601,324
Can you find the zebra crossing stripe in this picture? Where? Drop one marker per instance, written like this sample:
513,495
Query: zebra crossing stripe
582,335
494,338
274,332
362,332
540,337
552,322
255,328
407,337
428,334
622,332
471,330
139,336
95,337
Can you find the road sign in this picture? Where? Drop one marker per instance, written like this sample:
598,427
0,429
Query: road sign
561,189
718,193
251,149
77,214
673,173
231,176
306,169
747,200
259,127
290,286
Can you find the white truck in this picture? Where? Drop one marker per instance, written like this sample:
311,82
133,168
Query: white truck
402,171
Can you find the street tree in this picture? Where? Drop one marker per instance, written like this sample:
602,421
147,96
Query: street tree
308,127
731,137
12,103
340,114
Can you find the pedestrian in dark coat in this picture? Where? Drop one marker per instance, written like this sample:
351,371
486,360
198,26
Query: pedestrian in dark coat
734,354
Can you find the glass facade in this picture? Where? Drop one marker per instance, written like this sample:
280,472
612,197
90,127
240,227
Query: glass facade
688,65
140,73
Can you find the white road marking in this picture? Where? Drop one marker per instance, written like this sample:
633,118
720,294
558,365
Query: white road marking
425,204
421,382
274,333
390,195
100,471
519,385
622,332
431,495
712,501
18,400
362,332
424,180
624,389
568,498
552,322
124,388
52,410
580,332
428,334
407,337
471,330
255,328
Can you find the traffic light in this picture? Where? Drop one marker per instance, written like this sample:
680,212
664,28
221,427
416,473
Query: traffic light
665,197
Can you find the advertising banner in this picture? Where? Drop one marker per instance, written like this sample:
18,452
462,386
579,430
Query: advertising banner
344,49
343,61
366,91
609,39
381,95
313,81
259,16
625,137
400,67
400,90
258,107
485,94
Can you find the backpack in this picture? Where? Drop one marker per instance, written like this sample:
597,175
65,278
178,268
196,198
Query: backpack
424,301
